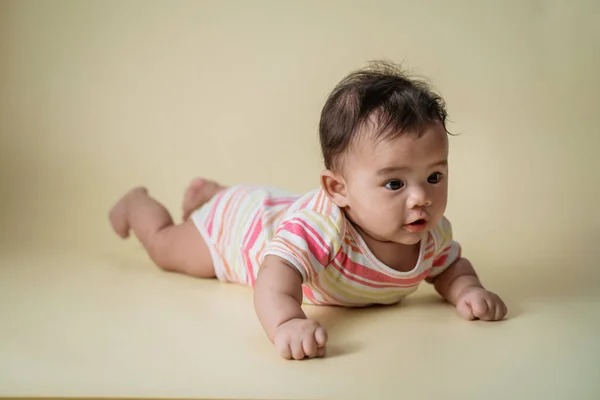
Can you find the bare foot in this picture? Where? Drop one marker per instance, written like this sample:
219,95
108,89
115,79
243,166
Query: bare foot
118,214
199,191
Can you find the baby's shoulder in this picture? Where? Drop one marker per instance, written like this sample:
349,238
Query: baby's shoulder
318,212
441,233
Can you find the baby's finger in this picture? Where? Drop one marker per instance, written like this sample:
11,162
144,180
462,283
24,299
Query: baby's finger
283,349
320,336
321,351
500,311
464,310
480,308
309,345
296,348
490,314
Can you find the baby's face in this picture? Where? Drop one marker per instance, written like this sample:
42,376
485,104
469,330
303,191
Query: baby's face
397,189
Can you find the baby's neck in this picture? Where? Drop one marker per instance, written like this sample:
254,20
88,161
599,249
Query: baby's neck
400,257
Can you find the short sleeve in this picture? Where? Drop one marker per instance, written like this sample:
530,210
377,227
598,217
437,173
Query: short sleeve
308,240
447,250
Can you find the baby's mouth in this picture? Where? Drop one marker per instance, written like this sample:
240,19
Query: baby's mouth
416,226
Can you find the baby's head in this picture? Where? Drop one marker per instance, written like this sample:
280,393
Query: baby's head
385,147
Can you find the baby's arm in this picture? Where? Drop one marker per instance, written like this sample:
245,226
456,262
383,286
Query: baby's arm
278,304
459,285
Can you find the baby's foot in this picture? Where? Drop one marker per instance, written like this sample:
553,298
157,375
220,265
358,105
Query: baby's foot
199,191
118,214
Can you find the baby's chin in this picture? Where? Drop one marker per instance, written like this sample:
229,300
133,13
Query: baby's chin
411,241
400,236
410,238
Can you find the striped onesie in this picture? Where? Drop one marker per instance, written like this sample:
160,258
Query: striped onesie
243,224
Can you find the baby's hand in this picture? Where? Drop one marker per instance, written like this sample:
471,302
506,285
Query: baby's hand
300,338
479,303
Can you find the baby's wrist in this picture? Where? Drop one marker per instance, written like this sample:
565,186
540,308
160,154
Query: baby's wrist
290,321
468,289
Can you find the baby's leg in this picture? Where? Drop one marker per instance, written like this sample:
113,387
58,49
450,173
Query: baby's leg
178,248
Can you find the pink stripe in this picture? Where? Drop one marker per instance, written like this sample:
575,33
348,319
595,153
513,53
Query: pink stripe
252,232
280,201
308,293
252,236
354,271
249,275
438,262
441,260
211,216
299,227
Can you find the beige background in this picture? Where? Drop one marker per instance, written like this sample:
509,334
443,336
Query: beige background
97,96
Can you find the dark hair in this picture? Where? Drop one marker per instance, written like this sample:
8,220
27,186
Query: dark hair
384,94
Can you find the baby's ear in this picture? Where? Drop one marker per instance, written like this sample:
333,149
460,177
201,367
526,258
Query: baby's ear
334,186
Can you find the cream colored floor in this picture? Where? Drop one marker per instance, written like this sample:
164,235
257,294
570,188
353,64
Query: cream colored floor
100,95
102,324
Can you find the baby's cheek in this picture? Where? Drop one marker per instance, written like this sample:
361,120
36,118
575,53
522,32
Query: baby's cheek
377,219
392,220
440,198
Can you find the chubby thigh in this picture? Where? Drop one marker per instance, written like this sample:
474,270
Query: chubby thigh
180,248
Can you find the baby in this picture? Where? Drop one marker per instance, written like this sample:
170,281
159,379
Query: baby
370,234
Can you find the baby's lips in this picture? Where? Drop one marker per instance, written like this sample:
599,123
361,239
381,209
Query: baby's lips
422,220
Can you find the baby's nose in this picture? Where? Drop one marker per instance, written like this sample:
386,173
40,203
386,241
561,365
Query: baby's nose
419,198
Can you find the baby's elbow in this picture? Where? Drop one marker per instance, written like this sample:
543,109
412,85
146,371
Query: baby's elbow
460,266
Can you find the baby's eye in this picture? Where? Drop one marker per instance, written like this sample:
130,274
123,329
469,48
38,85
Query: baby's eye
394,185
434,178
